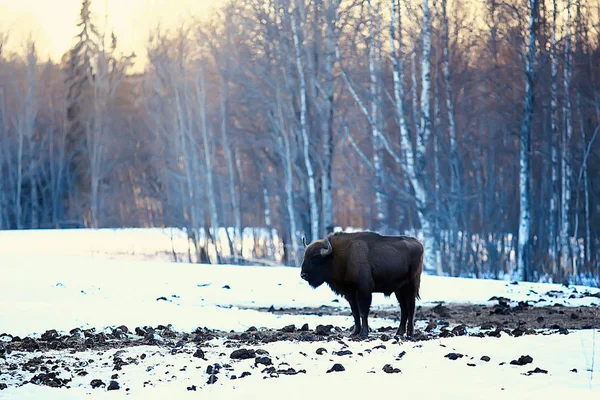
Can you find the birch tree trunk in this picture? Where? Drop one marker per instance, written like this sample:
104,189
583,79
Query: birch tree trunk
554,144
588,235
237,217
312,191
583,174
425,125
381,217
567,134
267,213
19,182
331,15
414,90
410,157
436,187
30,114
284,145
455,186
3,134
185,153
212,204
524,239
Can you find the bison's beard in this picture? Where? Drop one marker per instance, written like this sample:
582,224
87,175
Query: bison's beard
316,281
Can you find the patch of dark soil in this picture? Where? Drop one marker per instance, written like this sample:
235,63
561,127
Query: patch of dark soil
113,385
388,369
523,360
199,354
336,368
49,379
323,330
289,329
454,356
342,353
537,370
118,363
431,325
213,369
263,360
96,383
385,337
33,364
501,315
441,311
290,371
50,335
460,330
243,354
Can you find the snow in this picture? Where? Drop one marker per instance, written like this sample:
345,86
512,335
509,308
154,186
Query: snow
46,289
64,292
129,243
424,371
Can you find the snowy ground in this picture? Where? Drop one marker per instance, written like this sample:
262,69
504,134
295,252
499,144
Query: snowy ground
42,292
166,244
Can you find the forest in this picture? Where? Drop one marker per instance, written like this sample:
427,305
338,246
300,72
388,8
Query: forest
470,124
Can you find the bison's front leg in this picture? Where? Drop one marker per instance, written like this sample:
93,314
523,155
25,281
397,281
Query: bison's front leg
355,313
364,304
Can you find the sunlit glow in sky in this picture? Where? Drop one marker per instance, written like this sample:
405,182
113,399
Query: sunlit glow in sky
52,23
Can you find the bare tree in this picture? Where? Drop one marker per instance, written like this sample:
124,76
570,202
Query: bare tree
327,111
567,134
381,217
414,160
3,143
554,144
312,190
524,250
455,187
208,156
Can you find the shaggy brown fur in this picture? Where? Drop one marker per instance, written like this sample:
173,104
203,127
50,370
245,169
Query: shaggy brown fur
356,265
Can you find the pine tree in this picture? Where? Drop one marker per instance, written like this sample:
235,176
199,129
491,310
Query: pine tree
79,81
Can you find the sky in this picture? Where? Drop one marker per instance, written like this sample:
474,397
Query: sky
52,23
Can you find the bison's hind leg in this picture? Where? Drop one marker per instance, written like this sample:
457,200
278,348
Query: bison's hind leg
352,299
407,299
401,297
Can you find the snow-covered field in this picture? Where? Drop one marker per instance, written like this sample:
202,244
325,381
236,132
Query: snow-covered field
164,244
38,293
43,291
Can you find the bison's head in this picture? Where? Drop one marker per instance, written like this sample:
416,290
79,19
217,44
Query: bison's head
317,262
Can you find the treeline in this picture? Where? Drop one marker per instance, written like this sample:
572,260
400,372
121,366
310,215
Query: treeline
467,123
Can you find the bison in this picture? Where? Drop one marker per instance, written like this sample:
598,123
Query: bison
356,265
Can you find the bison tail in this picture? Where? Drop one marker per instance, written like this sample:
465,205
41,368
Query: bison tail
417,278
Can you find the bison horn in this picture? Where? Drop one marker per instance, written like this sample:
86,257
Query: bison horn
304,241
328,250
